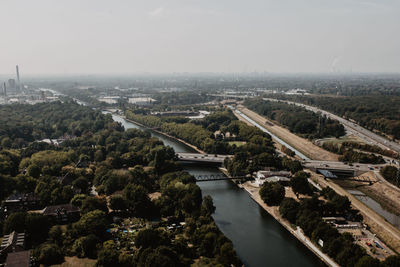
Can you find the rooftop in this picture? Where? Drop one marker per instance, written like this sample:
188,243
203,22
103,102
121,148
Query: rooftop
18,259
54,210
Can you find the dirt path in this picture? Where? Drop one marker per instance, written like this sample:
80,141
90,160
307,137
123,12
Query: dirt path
303,145
389,234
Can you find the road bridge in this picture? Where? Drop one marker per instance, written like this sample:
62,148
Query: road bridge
202,158
344,175
358,168
218,177
342,171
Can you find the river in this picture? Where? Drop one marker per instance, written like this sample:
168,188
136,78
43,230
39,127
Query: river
258,238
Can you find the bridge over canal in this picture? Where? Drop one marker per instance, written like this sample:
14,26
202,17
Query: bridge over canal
330,169
202,158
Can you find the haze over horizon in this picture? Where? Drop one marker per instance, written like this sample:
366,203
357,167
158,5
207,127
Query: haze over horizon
97,36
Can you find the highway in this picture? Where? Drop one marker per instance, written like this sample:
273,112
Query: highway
351,127
357,167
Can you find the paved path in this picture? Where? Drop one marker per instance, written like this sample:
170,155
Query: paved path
310,244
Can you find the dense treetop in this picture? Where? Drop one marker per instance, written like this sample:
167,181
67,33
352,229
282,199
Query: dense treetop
20,124
126,168
297,119
374,112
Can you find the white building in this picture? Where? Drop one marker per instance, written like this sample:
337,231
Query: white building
297,91
272,176
109,99
141,101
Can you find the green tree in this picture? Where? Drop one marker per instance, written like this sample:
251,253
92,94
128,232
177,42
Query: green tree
94,203
392,261
56,235
37,227
117,203
341,203
150,238
93,222
300,184
85,246
389,173
289,209
108,255
368,261
15,222
49,254
81,183
207,207
272,193
34,170
227,255
138,201
77,200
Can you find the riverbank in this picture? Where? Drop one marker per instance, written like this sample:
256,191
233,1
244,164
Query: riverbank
275,214
297,232
386,231
165,134
267,242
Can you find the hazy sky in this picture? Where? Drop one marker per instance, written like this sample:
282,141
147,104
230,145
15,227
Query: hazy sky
128,36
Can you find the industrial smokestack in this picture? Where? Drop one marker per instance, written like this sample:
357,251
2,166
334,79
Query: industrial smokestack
18,81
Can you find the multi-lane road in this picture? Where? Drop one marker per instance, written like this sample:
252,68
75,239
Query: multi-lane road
351,127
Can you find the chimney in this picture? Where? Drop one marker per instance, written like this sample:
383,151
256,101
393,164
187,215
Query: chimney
18,81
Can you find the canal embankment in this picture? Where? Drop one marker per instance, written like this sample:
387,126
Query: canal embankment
167,135
371,212
296,231
258,238
273,211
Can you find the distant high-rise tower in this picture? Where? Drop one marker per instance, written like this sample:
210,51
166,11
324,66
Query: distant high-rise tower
18,81
12,84
4,89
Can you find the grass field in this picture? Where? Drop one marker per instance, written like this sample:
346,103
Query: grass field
340,140
237,143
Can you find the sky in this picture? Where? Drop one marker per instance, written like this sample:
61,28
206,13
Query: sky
166,36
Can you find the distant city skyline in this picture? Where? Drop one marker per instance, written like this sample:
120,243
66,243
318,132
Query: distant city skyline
167,36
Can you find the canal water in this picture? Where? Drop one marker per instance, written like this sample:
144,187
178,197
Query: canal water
389,216
257,237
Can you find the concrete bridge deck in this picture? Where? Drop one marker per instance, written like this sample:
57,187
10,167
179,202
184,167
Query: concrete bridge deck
202,158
